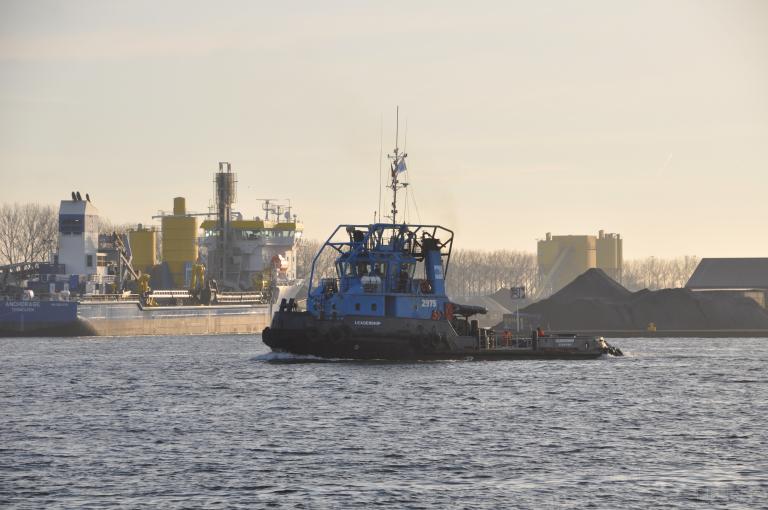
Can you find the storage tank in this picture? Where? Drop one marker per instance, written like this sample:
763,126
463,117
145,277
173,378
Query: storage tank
547,252
609,254
179,242
580,256
563,258
179,206
143,248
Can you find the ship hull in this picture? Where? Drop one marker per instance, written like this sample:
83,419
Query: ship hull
51,318
38,318
91,317
368,338
130,319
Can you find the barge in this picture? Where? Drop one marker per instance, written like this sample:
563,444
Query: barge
219,276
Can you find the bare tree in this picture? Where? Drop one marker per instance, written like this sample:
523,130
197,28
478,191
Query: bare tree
477,273
107,227
655,273
305,254
10,233
28,232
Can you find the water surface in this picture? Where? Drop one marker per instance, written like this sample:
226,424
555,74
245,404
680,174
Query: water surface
212,422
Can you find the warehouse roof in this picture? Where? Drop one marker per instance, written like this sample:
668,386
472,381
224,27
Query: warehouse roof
740,273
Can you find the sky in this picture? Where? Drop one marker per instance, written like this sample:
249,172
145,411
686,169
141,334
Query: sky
649,119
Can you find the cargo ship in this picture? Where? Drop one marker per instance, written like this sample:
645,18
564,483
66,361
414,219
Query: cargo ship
387,300
221,275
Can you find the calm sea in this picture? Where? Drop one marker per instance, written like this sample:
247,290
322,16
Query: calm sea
217,422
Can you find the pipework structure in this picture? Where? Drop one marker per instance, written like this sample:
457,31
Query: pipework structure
225,195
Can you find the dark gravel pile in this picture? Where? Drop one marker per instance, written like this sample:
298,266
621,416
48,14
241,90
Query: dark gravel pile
595,301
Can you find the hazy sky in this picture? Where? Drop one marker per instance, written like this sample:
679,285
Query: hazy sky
645,118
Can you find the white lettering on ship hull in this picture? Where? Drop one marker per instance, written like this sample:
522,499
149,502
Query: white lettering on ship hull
367,323
24,304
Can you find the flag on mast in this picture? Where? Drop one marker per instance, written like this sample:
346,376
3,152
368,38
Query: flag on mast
401,166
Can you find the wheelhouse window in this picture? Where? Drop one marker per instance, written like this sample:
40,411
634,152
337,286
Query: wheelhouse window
71,224
345,269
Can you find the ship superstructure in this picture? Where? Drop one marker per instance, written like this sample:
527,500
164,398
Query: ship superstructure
384,270
256,253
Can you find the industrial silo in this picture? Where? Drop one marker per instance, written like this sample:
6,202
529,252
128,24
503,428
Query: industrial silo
609,254
563,258
179,242
143,248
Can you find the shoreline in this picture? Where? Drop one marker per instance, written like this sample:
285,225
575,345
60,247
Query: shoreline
670,333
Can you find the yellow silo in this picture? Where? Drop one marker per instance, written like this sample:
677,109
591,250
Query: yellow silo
609,254
179,242
563,258
143,248
179,206
547,251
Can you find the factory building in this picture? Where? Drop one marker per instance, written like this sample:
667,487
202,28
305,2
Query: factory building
746,277
562,258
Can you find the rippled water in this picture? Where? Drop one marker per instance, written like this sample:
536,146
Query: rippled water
211,422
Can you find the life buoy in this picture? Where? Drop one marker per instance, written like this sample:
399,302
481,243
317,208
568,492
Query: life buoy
449,311
426,287
435,315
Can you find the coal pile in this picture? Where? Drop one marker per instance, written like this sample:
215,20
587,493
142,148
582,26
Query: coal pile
594,301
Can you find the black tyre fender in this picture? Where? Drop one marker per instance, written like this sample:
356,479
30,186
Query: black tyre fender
334,336
313,335
345,332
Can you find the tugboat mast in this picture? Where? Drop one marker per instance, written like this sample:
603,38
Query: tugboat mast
397,165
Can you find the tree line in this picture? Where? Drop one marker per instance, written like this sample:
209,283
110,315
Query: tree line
657,273
480,273
470,273
29,233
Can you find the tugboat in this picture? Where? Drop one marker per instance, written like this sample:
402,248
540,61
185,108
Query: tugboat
387,300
